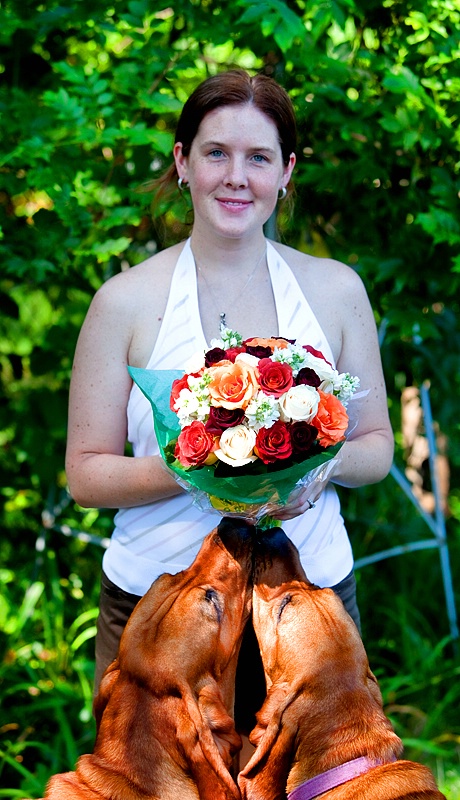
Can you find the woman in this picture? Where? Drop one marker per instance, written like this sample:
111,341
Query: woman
234,153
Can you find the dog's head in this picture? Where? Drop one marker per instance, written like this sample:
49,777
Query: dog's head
321,695
172,685
191,623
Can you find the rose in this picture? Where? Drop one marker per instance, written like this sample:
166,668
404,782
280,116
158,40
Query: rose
222,418
194,446
236,446
275,377
195,364
273,443
307,376
259,351
232,385
303,437
214,356
271,343
299,403
232,352
176,388
331,419
324,370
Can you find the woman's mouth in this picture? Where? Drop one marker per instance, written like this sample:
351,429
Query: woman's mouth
233,204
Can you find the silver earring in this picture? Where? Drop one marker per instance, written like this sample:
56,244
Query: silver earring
182,184
282,193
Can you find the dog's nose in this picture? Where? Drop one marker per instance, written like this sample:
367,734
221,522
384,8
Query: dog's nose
236,535
272,541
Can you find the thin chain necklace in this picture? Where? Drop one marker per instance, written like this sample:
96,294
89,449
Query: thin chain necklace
222,314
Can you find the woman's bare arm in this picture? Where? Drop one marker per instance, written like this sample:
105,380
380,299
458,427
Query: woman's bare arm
98,472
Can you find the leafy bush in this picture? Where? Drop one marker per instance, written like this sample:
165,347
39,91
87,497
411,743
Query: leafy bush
89,97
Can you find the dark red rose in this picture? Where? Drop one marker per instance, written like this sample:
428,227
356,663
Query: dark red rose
259,351
308,377
176,388
214,356
316,353
303,437
274,377
222,418
194,445
233,352
273,443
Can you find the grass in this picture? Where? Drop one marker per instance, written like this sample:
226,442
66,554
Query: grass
47,618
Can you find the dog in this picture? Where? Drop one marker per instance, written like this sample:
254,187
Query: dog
321,729
164,710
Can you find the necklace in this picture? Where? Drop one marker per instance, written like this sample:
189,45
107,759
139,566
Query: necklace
222,314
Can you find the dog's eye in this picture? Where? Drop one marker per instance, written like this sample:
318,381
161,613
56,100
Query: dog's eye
212,597
285,601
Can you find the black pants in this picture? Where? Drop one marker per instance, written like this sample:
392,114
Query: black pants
116,605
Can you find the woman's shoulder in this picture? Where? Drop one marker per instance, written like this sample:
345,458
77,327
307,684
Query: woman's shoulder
142,284
319,273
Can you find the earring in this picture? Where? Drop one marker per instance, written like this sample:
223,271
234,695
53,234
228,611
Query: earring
282,193
182,184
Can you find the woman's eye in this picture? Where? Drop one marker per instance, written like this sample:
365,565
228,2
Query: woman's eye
259,158
216,153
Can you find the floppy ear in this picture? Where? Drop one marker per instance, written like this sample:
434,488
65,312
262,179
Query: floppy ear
220,723
108,681
265,775
201,747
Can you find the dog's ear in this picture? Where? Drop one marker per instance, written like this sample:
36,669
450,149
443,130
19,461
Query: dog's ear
265,775
204,732
108,681
220,723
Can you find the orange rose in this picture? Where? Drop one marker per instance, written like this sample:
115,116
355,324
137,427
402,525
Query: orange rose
281,344
232,385
331,419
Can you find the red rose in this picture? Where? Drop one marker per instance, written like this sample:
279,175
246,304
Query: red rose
214,356
303,437
273,443
194,445
259,351
176,388
275,378
233,352
222,418
308,376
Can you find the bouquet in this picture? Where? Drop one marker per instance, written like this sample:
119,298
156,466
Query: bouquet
249,420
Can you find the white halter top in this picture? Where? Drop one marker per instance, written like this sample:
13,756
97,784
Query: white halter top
165,536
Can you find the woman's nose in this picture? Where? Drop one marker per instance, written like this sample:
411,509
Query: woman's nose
236,174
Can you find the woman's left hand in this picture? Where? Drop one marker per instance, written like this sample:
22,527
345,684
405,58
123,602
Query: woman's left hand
300,500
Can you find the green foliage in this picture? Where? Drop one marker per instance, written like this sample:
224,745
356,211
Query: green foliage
89,98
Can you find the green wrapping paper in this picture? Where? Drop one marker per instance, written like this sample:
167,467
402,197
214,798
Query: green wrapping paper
263,489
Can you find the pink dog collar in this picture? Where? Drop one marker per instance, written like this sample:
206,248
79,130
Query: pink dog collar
334,777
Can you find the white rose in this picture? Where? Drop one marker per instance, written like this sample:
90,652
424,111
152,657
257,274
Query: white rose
236,446
247,358
323,370
195,363
299,403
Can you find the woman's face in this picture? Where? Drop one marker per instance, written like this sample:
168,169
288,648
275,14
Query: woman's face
234,170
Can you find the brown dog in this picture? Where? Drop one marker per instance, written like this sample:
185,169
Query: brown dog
165,729
322,718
